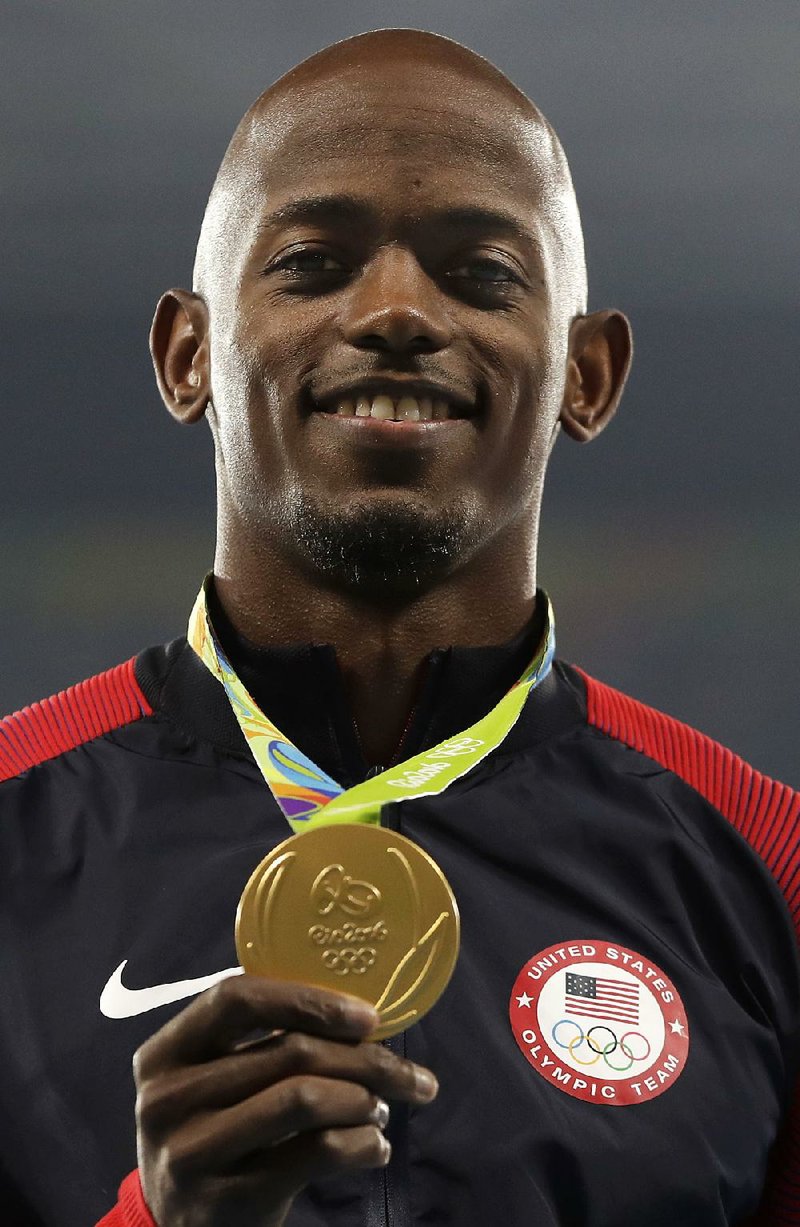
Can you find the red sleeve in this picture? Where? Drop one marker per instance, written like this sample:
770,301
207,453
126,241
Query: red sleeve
131,1209
767,814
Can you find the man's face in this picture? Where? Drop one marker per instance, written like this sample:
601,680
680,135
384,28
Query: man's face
395,262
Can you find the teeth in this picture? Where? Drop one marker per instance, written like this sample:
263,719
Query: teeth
404,409
408,409
382,408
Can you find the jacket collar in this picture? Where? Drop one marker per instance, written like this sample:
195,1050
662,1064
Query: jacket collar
300,687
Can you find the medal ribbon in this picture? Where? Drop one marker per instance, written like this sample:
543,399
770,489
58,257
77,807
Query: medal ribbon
310,798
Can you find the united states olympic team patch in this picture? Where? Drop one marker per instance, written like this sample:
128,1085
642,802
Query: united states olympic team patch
600,1022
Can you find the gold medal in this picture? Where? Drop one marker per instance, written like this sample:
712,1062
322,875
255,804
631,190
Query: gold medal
356,908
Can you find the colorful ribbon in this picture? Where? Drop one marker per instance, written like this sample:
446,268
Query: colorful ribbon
309,797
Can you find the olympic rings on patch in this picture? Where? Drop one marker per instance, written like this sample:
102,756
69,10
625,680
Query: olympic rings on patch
603,1052
606,1050
571,1049
620,1069
572,1023
627,1050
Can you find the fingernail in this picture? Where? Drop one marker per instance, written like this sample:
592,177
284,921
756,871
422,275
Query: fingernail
426,1084
361,1013
380,1114
386,1152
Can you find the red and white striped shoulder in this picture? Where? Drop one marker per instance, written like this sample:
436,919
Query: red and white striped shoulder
764,811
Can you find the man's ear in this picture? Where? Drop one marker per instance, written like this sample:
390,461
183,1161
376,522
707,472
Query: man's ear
179,349
600,353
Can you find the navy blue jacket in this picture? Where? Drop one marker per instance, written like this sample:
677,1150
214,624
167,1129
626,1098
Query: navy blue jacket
618,1044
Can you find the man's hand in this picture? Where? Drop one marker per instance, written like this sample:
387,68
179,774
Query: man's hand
230,1131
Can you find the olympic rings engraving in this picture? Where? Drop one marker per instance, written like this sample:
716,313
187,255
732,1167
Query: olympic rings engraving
604,1051
355,959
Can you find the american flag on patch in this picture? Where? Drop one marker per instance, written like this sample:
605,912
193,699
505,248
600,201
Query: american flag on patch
614,1000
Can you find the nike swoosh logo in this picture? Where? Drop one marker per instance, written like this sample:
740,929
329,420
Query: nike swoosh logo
117,1001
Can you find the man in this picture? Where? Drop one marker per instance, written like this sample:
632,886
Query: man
387,332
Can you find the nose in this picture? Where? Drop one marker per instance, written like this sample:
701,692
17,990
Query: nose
396,307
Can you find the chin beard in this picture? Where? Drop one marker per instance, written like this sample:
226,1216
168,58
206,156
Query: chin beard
380,552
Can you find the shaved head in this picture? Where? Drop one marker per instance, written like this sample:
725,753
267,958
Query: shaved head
341,78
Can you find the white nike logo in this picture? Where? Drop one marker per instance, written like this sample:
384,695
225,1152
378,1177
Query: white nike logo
117,1001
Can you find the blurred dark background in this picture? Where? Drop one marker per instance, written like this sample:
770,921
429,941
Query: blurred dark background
670,546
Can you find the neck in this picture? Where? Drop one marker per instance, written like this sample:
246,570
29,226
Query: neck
381,647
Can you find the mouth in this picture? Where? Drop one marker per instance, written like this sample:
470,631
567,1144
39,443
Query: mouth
388,402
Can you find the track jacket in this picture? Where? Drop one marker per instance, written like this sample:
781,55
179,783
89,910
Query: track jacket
618,1044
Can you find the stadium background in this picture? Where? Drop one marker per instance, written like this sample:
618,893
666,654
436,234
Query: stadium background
670,545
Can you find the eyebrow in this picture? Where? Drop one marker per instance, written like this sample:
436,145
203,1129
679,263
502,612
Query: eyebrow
344,208
308,209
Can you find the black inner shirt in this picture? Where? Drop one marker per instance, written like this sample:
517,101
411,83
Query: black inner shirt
300,687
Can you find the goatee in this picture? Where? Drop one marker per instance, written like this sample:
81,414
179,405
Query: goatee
392,552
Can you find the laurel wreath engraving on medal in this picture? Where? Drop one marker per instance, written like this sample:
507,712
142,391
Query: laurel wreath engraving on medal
265,895
415,963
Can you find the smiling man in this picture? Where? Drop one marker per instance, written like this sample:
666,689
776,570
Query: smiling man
387,331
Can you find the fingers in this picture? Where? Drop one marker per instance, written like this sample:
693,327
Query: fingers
316,1156
224,1122
310,1156
213,1023
281,1112
232,1079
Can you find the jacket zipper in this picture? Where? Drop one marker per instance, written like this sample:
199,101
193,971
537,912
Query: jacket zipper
397,1208
388,1202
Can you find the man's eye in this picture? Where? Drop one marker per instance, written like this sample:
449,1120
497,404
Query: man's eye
301,262
488,272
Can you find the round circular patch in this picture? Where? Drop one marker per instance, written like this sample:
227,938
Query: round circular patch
600,1022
